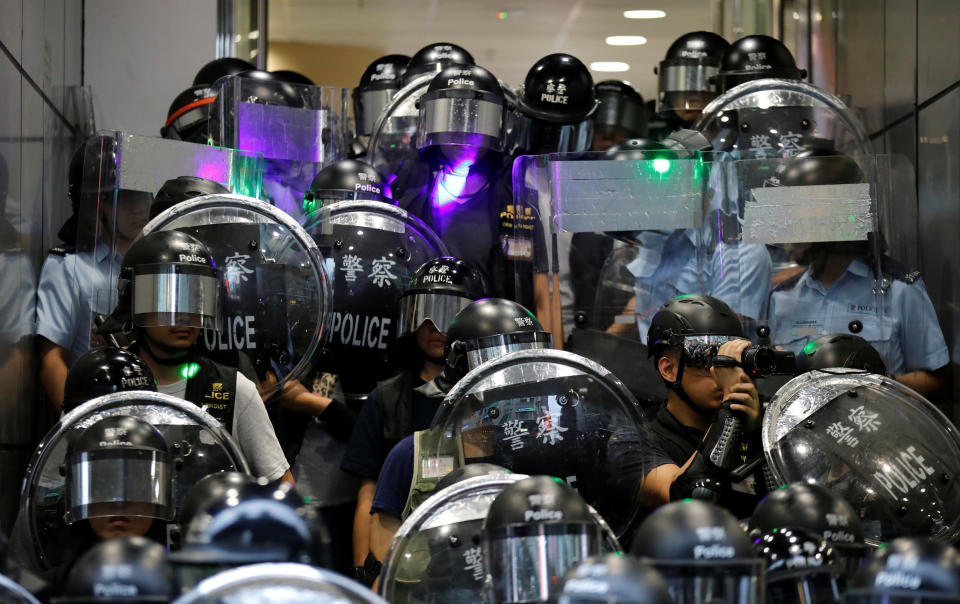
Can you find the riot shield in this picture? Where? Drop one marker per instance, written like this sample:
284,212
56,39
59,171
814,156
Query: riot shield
622,237
12,592
276,290
371,251
121,174
284,582
298,129
878,444
437,556
393,142
200,444
549,412
780,118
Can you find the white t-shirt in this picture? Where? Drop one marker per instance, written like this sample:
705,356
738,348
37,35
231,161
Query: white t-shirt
251,428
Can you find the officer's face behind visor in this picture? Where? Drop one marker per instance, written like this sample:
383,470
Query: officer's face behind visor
439,309
175,295
526,562
698,351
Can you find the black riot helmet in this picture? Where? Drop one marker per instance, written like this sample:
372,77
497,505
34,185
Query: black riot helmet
640,149
815,508
119,466
801,567
463,106
755,57
840,350
292,77
250,523
555,106
438,291
346,180
209,491
818,166
701,551
188,118
613,578
270,89
488,329
433,58
469,471
182,188
536,529
105,370
908,569
127,569
620,114
695,325
218,68
147,297
685,77
379,82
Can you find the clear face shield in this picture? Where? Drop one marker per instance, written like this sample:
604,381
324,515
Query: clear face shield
176,295
368,106
714,581
526,563
685,86
466,118
439,309
537,136
119,482
481,350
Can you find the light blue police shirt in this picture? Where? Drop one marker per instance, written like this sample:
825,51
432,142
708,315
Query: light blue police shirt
904,330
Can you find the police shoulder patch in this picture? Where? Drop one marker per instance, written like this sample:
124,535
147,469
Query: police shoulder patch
899,271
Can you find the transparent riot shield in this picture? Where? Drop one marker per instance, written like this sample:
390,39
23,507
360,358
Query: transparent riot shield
121,175
283,582
371,250
873,441
12,592
617,238
393,147
549,412
276,291
780,118
298,129
437,554
198,442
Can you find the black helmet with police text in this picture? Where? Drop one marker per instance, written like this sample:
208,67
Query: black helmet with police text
908,569
379,82
613,578
105,370
755,57
181,189
438,291
188,118
558,88
346,180
542,510
801,567
433,58
250,523
126,569
119,466
463,105
621,112
218,68
208,491
702,552
148,297
840,350
487,329
813,507
686,73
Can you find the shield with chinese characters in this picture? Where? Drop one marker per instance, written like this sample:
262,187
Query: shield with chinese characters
275,289
550,412
371,251
437,554
197,445
871,440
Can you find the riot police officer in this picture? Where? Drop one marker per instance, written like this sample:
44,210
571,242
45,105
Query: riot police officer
620,114
379,82
908,569
166,322
755,57
105,370
685,77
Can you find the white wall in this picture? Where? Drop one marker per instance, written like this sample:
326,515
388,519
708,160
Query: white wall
140,54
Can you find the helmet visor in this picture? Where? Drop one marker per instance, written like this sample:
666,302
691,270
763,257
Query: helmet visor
536,137
820,588
698,351
527,562
685,78
120,482
314,201
371,105
473,122
439,309
714,581
485,349
176,295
